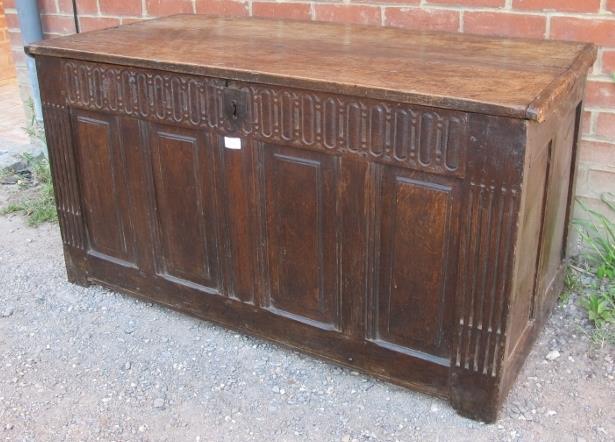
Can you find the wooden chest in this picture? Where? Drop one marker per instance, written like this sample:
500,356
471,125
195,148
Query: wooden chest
389,200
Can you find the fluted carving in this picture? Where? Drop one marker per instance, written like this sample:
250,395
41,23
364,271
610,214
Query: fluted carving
64,173
485,258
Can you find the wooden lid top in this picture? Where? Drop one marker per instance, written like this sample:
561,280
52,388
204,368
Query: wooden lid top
510,77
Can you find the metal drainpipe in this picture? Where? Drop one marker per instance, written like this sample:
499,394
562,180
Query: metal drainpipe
31,31
76,16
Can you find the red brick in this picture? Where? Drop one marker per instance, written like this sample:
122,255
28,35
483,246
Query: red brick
422,19
9,4
490,3
366,15
83,7
15,38
503,24
46,6
600,93
94,23
58,24
12,21
120,7
600,180
19,57
610,5
228,8
168,7
605,126
66,6
580,29
608,62
297,11
596,152
558,5
586,122
389,2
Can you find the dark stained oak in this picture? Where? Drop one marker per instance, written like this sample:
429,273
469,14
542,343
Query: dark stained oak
396,202
301,230
513,77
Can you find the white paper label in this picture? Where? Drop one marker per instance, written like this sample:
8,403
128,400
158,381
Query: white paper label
232,143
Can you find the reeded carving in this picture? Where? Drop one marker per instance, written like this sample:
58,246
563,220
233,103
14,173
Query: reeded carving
407,136
484,273
58,134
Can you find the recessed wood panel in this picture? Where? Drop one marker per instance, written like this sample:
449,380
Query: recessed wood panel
555,212
183,203
300,200
410,306
102,172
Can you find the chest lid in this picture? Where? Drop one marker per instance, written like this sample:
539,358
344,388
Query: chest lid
518,78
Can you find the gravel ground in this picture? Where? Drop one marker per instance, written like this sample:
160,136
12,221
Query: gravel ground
90,364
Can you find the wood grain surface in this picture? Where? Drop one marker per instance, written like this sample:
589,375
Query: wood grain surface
501,76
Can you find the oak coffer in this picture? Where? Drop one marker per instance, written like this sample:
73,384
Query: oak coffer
390,200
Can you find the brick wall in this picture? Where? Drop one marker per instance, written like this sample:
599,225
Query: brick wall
7,70
584,20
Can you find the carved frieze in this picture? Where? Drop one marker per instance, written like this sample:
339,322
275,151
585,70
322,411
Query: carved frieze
414,137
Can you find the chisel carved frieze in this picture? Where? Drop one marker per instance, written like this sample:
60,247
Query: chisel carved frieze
407,136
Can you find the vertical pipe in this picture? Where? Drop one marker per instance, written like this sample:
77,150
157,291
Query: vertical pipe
76,16
31,31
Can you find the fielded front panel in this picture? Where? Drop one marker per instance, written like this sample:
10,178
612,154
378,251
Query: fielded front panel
418,238
220,219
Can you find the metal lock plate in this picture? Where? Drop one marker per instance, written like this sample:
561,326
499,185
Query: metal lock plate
235,106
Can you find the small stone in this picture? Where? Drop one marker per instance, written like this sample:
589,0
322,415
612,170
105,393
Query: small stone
159,403
551,413
346,438
7,312
9,179
18,166
142,429
434,407
8,427
552,355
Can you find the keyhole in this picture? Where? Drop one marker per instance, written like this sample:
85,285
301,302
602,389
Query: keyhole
234,103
